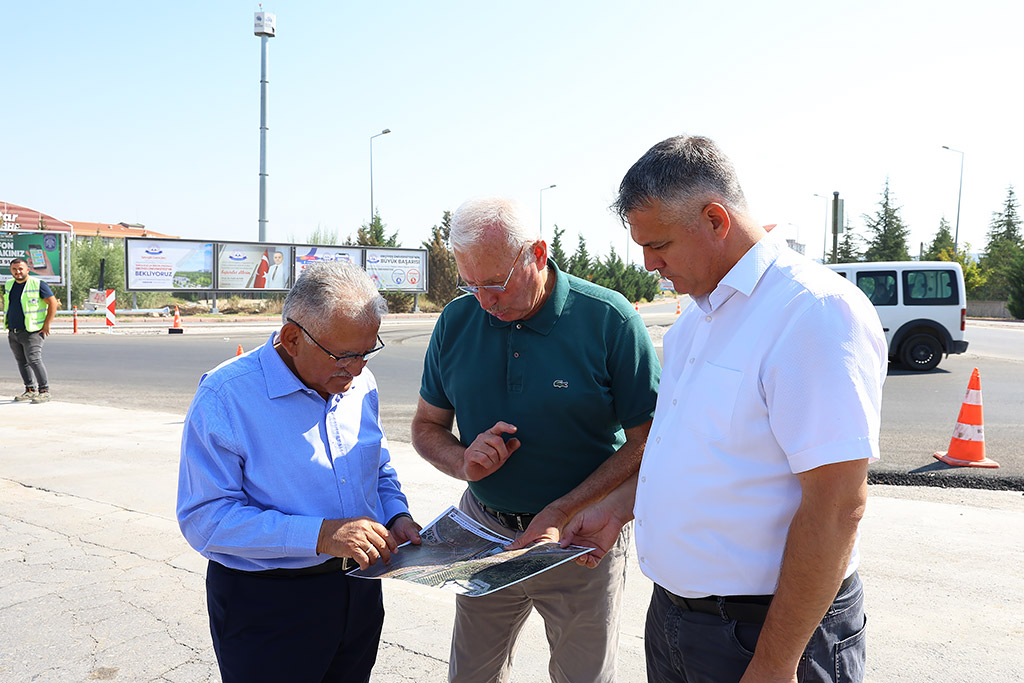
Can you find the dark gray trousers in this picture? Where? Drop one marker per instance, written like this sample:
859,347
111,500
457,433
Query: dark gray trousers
28,351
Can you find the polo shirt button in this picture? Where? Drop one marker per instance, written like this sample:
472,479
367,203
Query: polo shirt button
658,440
708,318
519,326
674,401
643,479
691,360
342,480
515,355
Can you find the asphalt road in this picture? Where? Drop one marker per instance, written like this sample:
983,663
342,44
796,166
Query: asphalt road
158,371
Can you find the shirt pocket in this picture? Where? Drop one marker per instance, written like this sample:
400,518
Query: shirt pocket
712,401
369,471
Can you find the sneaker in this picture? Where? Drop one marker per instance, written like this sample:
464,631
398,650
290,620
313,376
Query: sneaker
41,397
27,396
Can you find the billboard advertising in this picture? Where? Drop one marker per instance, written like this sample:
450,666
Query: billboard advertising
397,270
42,251
168,264
306,254
253,266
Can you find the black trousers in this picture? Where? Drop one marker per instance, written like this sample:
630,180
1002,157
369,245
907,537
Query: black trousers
324,627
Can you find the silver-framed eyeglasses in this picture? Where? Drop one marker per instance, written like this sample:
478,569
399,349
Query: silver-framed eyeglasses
498,289
345,358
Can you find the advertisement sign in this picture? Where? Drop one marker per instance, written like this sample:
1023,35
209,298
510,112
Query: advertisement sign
168,264
42,251
306,254
253,266
397,270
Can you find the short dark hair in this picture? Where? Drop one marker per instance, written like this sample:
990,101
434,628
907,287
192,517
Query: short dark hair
681,168
18,259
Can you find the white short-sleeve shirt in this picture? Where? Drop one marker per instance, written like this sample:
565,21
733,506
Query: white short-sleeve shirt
778,371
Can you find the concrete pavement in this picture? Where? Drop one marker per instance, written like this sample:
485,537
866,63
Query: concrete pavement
96,582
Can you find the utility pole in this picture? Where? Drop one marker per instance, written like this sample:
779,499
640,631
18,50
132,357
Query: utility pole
265,28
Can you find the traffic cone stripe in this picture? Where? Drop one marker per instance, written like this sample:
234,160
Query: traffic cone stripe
969,432
973,397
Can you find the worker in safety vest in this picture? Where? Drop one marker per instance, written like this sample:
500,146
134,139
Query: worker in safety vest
29,307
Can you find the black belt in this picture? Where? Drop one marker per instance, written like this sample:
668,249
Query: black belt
510,520
750,609
335,564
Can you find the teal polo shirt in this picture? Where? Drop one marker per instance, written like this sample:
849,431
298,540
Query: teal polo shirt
571,378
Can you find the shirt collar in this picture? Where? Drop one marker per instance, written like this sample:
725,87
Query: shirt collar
744,276
544,320
281,381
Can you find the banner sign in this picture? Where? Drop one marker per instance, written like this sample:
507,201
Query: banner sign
168,264
253,266
306,254
397,270
42,250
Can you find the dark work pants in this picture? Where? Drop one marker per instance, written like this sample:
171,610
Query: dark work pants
324,627
28,352
692,647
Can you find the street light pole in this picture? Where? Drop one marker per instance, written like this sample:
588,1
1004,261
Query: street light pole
959,192
383,132
542,208
824,243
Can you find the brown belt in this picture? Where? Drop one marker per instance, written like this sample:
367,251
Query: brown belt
750,609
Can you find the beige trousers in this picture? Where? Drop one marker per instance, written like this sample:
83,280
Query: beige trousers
580,608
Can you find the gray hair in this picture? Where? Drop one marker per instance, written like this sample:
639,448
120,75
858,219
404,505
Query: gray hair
478,221
328,290
683,169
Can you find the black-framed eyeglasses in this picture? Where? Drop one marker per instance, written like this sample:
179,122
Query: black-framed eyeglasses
473,289
345,358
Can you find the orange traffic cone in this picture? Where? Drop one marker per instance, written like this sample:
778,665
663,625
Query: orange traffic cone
967,448
176,328
678,306
636,306
239,351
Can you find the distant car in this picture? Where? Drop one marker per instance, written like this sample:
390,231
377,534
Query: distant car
922,306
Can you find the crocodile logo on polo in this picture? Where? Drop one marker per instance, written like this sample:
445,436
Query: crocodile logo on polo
560,384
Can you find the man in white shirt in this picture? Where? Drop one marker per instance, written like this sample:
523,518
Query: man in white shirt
754,477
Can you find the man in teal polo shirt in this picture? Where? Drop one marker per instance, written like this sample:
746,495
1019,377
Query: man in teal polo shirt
553,382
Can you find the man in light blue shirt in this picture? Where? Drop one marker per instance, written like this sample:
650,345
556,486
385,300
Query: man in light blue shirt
286,483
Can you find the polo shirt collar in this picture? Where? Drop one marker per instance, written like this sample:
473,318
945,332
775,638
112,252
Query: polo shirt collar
744,276
544,320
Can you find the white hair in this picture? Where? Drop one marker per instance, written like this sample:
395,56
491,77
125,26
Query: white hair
328,290
483,221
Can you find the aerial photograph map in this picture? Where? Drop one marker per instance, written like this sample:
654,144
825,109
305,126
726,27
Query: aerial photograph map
459,555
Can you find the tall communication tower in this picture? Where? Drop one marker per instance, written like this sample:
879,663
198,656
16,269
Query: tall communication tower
265,28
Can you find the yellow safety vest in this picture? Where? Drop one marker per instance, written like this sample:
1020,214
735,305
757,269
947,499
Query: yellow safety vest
32,306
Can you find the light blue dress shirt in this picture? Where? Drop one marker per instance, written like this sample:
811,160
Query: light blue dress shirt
265,459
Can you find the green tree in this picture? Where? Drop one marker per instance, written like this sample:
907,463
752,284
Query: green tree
1005,245
322,235
557,253
848,252
85,270
444,274
974,276
888,234
943,240
373,235
1015,301
580,264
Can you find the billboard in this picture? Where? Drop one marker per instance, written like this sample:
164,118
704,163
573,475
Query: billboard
168,264
397,270
242,266
306,254
42,250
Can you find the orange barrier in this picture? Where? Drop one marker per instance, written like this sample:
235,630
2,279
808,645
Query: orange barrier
967,447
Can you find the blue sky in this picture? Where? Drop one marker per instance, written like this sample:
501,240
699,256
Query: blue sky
140,112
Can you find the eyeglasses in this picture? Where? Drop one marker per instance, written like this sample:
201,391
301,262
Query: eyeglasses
473,289
346,358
